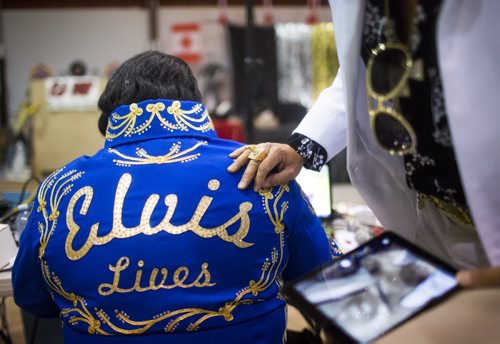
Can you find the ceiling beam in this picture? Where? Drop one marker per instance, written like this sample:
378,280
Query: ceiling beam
25,4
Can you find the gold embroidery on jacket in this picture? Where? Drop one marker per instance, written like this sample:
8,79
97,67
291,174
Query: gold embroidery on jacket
184,120
270,270
125,124
335,252
275,216
120,231
60,187
180,276
80,313
143,158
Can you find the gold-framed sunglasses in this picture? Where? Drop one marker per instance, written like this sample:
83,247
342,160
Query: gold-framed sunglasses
388,70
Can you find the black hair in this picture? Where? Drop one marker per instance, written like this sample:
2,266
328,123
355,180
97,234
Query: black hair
149,75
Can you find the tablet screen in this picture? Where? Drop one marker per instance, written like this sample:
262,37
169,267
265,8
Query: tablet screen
376,287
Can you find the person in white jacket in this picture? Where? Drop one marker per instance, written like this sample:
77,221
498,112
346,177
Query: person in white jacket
433,102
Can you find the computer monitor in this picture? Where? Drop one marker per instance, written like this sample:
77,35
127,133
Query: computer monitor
318,189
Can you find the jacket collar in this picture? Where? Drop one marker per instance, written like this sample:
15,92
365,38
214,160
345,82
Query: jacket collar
159,118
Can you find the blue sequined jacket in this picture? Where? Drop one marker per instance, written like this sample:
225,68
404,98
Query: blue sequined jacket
150,240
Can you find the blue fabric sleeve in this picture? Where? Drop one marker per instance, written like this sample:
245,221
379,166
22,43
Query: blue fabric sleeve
307,242
30,290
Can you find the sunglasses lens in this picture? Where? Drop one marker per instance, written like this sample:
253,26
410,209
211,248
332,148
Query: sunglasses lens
388,69
391,134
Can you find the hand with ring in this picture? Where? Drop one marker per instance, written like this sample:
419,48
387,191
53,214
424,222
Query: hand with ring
270,164
257,154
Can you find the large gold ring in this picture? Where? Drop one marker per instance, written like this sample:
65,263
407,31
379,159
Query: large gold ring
257,154
250,147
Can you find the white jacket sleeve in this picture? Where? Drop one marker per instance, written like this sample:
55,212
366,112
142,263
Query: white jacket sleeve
326,122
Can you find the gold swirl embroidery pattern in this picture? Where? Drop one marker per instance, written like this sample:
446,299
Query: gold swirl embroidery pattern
143,158
59,187
184,119
270,270
126,123
275,216
60,184
80,312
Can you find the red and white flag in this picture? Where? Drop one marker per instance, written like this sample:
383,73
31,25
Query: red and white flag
186,41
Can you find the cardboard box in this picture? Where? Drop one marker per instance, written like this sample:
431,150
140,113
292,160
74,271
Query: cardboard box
60,137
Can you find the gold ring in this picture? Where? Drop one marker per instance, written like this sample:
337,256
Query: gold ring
250,147
257,154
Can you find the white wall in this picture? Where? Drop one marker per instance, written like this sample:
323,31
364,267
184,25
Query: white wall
58,37
100,36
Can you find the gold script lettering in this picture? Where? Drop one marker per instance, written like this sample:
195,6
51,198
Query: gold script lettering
120,231
202,280
72,254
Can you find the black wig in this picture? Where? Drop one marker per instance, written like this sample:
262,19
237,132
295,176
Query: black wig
149,75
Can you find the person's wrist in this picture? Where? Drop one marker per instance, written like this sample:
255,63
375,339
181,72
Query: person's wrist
313,155
296,155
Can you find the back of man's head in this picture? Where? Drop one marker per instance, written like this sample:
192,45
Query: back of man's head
149,75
